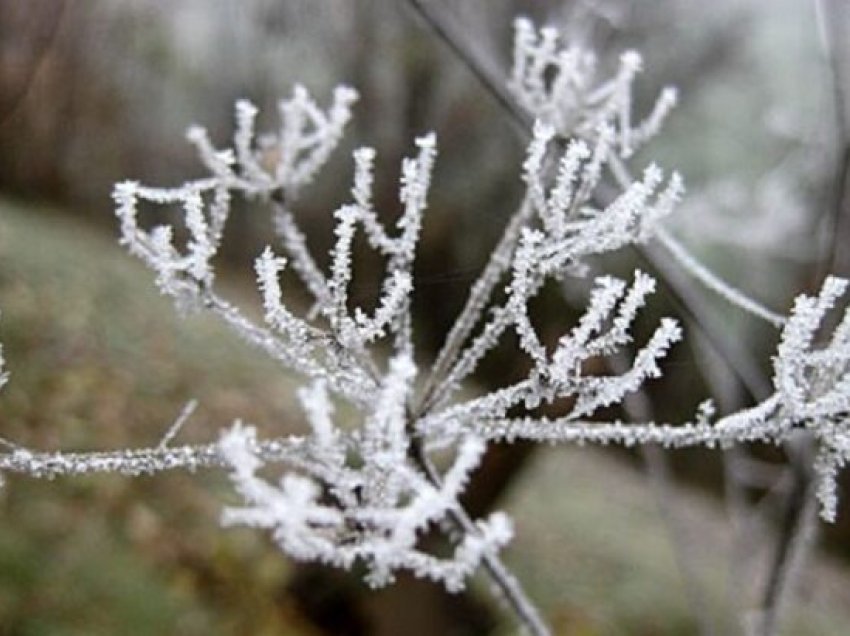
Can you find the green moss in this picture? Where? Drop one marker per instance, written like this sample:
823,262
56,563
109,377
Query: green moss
99,360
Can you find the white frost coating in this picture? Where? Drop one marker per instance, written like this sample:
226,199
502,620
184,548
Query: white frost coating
375,512
352,497
4,375
186,273
570,230
813,384
561,374
285,161
559,85
812,389
573,228
571,104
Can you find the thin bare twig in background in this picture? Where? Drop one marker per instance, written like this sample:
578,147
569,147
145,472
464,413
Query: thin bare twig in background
833,17
796,534
23,90
657,465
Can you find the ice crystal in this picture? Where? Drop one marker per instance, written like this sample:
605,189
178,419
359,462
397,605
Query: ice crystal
559,85
372,509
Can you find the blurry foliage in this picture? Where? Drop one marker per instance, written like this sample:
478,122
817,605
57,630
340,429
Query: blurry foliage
99,357
608,565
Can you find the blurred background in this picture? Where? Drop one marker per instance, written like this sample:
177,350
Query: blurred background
609,542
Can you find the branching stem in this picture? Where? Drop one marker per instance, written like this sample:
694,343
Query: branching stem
506,583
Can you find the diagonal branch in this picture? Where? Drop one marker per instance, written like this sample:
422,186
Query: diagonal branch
694,304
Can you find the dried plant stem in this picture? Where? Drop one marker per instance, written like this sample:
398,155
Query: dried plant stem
638,406
479,296
293,241
507,585
795,535
461,44
367,496
739,362
141,461
696,269
688,299
491,79
711,281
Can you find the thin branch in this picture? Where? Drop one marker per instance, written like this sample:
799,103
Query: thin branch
489,75
739,362
141,461
293,241
834,28
687,300
479,295
795,536
713,282
506,583
178,424
639,407
691,265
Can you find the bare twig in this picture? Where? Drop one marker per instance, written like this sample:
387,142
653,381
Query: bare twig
795,536
834,18
638,406
506,583
479,295
694,305
178,424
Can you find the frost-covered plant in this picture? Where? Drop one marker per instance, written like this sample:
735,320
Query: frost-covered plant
559,85
367,488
